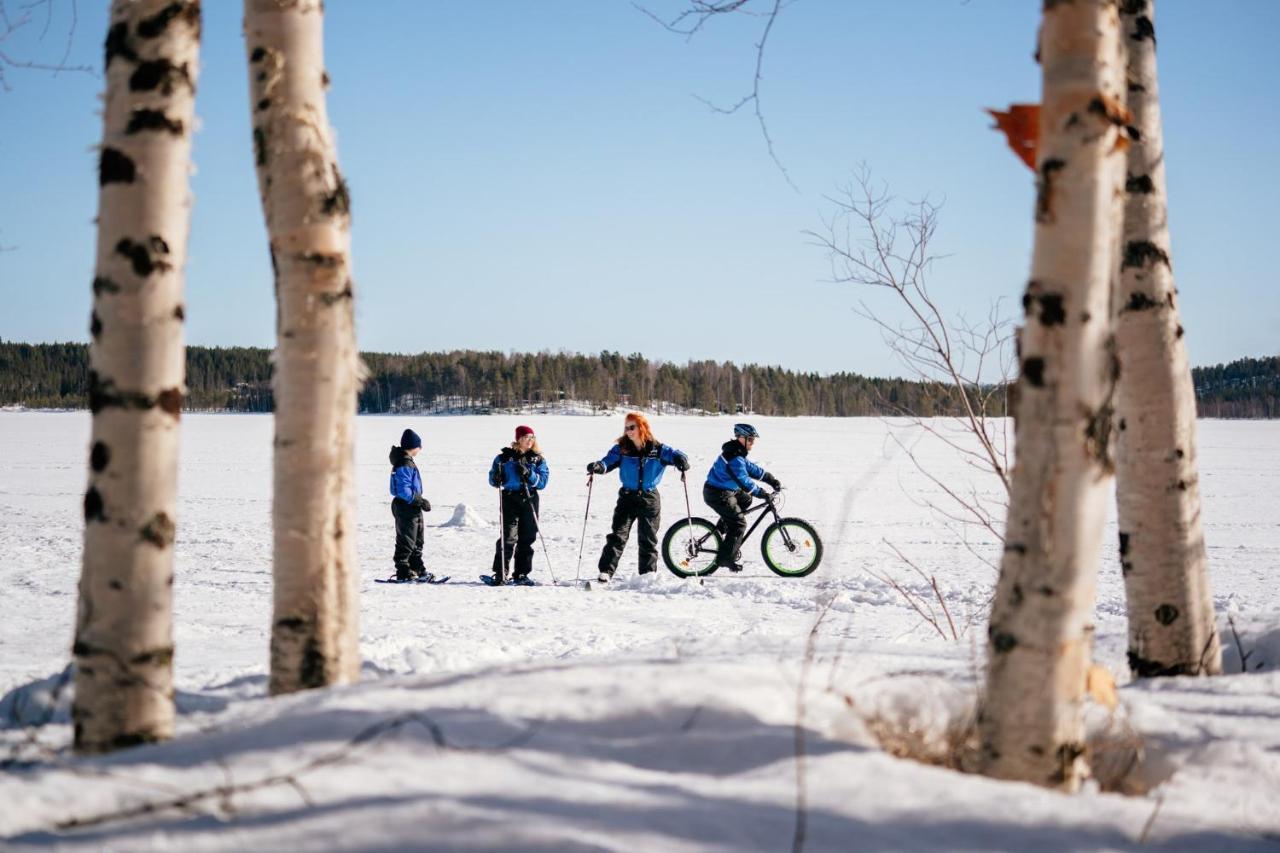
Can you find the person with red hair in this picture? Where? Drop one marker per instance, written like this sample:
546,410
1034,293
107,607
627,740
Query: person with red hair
641,460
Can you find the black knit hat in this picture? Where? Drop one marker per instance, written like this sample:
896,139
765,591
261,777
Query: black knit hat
409,440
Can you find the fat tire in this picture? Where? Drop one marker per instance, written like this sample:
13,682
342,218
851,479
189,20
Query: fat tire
675,538
773,530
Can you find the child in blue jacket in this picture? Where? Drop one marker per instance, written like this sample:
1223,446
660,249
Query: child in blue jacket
407,507
729,489
640,460
521,472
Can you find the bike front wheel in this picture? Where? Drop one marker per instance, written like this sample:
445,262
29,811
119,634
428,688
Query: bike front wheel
791,547
689,549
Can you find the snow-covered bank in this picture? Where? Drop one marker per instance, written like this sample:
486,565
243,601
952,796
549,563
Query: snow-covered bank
659,714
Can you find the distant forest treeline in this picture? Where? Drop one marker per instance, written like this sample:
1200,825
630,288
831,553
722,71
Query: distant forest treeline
239,379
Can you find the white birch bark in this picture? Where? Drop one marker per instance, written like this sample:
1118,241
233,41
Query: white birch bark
124,630
314,635
1040,636
1162,550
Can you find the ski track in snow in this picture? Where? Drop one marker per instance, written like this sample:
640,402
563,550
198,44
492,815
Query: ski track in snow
608,675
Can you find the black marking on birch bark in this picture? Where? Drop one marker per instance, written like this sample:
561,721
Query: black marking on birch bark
1123,425
115,584
1166,614
117,44
330,299
1085,317
1033,370
141,255
149,28
115,167
338,202
159,74
258,54
1146,668
1139,184
1179,332
1015,547
322,260
1051,311
1181,485
95,325
94,509
1178,452
104,285
142,120
1134,133
263,104
1046,591
1133,7
1110,110
1003,642
1126,565
292,623
99,457
179,313
314,666
1135,88
162,656
1066,755
325,79
159,530
1097,436
260,147
1143,29
103,394
1044,189
132,739
1015,596
1141,253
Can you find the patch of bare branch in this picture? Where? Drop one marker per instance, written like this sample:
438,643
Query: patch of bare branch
20,47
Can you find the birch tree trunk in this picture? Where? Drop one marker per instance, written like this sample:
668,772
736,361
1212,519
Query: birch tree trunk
124,630
1162,551
1040,636
314,634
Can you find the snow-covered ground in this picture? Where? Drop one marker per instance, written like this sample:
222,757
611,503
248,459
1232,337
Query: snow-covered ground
659,714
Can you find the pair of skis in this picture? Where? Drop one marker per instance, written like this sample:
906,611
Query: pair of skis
490,580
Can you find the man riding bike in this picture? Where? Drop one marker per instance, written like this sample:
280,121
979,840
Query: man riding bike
729,489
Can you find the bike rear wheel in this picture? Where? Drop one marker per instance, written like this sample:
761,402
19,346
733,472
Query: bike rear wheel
791,547
690,551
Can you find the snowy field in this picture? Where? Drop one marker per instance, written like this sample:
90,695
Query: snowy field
658,714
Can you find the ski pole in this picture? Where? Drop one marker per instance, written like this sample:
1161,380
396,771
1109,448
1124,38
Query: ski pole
502,526
688,514
537,531
577,576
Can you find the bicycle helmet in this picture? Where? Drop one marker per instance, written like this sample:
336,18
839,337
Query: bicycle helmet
745,430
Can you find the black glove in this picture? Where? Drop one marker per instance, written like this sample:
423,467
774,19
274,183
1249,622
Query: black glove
682,463
772,481
423,504
524,469
595,468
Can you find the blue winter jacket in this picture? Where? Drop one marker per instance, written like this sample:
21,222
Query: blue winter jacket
733,470
406,482
506,470
641,470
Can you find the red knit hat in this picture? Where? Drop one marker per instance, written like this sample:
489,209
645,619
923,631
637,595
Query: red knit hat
522,431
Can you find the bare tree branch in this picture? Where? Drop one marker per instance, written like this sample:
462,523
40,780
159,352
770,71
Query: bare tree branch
689,21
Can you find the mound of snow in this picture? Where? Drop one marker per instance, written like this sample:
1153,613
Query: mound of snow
465,516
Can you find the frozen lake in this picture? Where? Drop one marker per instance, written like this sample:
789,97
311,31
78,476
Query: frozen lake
556,650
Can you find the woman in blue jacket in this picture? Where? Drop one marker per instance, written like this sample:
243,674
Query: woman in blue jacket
520,471
407,507
640,460
729,490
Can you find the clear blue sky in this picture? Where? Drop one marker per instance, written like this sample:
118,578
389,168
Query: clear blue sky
537,175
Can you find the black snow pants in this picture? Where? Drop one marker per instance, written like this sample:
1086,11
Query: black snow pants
730,505
520,529
408,554
645,507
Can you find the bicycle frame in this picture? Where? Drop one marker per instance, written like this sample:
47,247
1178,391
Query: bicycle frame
765,508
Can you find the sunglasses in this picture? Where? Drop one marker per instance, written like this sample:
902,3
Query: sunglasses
632,428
